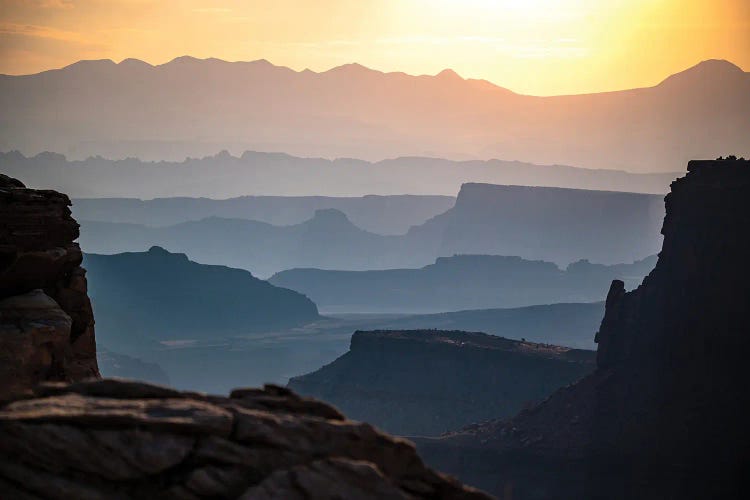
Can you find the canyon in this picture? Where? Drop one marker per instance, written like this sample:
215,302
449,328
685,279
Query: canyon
662,416
67,433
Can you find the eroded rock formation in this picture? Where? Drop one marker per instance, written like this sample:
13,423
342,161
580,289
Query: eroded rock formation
105,439
427,382
664,415
46,323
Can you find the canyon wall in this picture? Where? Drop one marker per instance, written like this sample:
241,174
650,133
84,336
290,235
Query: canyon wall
664,414
46,322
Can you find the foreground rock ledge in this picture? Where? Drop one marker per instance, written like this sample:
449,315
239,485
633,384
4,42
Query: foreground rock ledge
111,439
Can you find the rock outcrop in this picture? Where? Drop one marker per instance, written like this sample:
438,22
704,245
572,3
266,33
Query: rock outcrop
665,413
110,439
46,323
427,382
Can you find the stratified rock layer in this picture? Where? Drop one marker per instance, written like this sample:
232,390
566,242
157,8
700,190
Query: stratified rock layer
46,323
665,413
109,438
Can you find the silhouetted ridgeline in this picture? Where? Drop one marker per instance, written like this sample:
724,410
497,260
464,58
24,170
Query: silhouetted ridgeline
135,109
377,214
426,382
553,224
665,413
569,325
223,175
157,295
460,282
328,239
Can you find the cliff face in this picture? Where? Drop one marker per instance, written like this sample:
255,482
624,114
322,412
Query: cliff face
664,415
427,382
46,323
547,223
674,350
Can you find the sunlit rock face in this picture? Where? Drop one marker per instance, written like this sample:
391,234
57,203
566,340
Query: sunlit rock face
664,414
46,323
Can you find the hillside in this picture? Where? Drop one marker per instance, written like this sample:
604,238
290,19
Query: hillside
136,109
426,382
160,296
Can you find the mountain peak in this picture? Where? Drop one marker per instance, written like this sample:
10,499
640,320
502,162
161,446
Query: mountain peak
331,214
708,70
184,60
449,74
90,64
351,68
330,218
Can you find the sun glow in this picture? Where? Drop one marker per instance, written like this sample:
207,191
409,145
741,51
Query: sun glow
530,46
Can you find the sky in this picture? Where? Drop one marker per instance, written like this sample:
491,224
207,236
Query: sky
539,47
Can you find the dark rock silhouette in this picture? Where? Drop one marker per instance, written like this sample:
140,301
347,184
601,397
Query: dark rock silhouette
663,416
119,439
427,382
157,295
131,109
460,282
46,323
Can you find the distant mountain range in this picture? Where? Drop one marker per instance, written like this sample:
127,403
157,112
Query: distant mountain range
460,282
553,224
148,297
193,107
377,214
223,176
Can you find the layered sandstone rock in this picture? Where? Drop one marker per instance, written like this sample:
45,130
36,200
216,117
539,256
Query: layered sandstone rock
664,415
46,323
104,439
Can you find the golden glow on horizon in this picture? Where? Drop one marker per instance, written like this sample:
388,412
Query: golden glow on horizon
531,46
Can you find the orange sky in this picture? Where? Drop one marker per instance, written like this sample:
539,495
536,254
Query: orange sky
541,47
